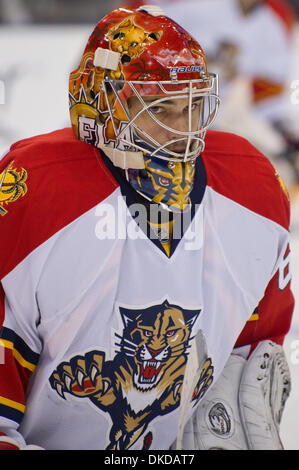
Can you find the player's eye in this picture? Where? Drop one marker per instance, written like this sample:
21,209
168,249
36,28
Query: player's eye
194,107
157,109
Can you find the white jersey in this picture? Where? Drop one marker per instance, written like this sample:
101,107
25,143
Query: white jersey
98,320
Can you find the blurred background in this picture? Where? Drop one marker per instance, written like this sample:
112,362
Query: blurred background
252,44
40,43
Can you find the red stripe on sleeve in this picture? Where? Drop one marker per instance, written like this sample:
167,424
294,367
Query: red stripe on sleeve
13,378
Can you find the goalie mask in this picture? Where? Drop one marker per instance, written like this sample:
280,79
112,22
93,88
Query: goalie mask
142,94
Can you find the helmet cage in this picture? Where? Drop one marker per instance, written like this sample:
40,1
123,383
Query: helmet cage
129,135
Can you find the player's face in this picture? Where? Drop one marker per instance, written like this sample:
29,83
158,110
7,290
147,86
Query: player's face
173,113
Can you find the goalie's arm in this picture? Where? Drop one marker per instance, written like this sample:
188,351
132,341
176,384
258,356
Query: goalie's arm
17,364
242,411
271,319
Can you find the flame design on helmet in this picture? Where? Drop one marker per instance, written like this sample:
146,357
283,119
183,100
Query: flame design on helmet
149,47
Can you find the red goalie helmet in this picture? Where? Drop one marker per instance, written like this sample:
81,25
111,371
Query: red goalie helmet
143,55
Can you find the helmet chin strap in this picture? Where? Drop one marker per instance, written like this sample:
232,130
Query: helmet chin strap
124,159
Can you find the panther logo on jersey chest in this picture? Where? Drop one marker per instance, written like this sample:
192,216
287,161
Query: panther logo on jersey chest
145,377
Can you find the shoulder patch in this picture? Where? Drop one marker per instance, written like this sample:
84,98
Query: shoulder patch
12,186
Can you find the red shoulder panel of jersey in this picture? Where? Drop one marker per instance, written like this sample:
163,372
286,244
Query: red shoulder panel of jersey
46,182
238,171
284,10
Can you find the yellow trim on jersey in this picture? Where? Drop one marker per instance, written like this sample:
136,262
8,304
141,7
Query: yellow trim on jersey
9,345
12,404
167,247
169,227
254,317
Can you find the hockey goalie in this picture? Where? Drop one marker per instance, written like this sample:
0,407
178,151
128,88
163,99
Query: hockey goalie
145,280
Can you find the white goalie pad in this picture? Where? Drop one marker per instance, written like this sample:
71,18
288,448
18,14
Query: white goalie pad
243,410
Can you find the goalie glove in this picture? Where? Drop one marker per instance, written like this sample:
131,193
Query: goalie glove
264,389
243,410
